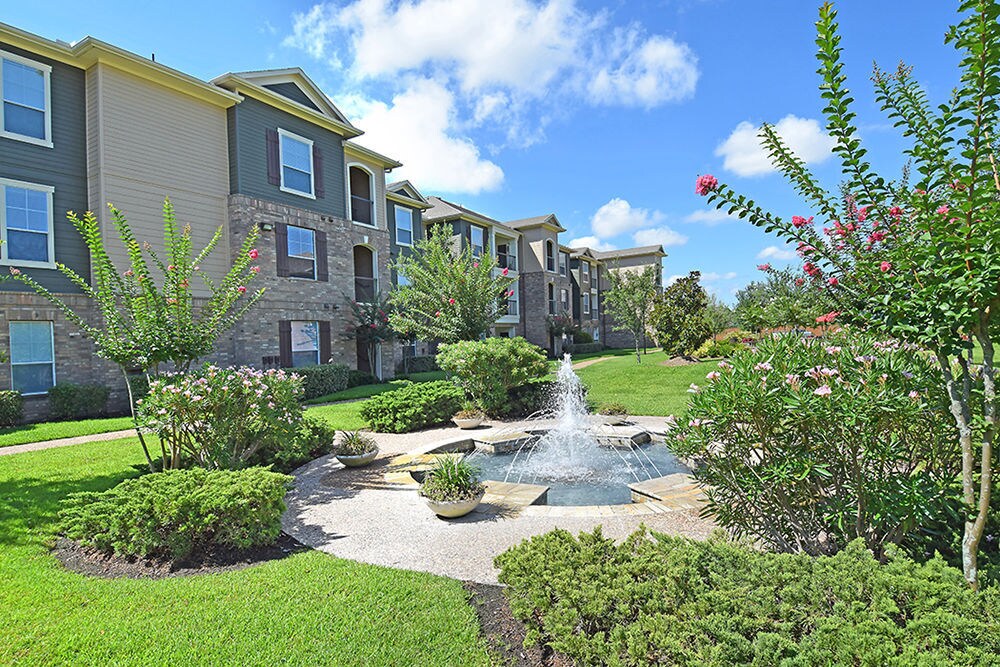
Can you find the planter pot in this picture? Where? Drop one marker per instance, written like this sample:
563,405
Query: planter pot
467,423
359,460
451,509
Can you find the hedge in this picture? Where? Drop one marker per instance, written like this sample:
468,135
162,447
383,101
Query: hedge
322,380
413,406
77,401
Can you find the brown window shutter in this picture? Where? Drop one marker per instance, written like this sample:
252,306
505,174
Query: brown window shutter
318,172
285,343
324,342
273,157
322,272
281,249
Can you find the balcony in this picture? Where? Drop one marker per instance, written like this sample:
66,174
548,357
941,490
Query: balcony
507,261
365,289
512,307
362,210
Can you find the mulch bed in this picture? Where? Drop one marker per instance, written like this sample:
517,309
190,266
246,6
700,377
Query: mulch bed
87,560
680,361
505,634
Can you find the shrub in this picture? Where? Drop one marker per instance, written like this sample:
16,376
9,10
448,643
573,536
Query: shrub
179,513
315,438
77,401
220,417
423,363
528,399
617,409
359,378
412,407
452,479
726,347
584,348
660,600
322,380
488,369
355,443
581,337
11,408
807,444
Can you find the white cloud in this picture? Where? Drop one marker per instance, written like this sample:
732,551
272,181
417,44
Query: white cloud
418,127
663,236
712,276
774,252
591,242
744,156
619,216
710,217
645,72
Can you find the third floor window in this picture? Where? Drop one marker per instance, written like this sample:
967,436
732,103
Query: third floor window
25,91
362,199
296,164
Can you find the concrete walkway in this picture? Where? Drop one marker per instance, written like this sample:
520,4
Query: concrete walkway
589,362
66,442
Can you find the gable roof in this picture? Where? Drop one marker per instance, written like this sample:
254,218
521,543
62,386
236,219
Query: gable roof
549,221
582,252
352,149
630,252
273,78
406,193
442,210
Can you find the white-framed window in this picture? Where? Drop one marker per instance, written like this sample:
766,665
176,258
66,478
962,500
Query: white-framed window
597,334
305,343
404,225
513,306
296,156
507,255
586,271
26,94
563,263
26,224
550,256
32,357
564,299
362,200
586,303
593,302
301,253
477,240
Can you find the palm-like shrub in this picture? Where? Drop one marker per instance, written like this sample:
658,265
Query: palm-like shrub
451,480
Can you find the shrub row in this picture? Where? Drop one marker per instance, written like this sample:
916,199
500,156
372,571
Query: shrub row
412,407
417,364
179,513
77,401
671,601
323,379
584,348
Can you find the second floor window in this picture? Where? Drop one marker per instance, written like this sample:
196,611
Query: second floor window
593,303
512,299
563,263
477,241
362,200
552,299
404,225
507,255
26,217
586,271
301,253
550,256
24,85
296,164
586,304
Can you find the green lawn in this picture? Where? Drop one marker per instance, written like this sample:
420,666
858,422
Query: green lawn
308,609
346,416
649,388
19,435
366,390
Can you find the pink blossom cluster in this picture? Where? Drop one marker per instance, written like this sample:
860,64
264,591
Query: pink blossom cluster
706,183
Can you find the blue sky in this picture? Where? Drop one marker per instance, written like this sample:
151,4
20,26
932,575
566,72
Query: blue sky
603,113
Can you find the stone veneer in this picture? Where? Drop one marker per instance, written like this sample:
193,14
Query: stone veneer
535,305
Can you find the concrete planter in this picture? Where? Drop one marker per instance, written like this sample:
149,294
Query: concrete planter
468,422
359,460
450,509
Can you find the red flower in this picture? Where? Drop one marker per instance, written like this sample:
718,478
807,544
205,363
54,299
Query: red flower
706,183
885,266
763,267
451,301
504,272
833,281
253,254
798,221
241,289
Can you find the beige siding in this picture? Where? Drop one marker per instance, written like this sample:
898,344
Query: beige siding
146,143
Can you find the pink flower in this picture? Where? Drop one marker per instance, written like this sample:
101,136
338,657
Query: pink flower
253,254
942,210
763,267
706,183
763,366
724,365
15,272
823,390
895,211
792,379
695,423
914,395
885,266
255,269
693,389
832,349
833,281
714,375
170,267
241,289
437,314
798,221
800,281
451,302
510,293
504,272
129,273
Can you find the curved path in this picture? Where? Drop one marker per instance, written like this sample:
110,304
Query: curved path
363,515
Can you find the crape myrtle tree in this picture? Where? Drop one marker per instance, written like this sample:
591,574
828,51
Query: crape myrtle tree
630,301
784,298
370,325
919,262
678,316
449,294
149,317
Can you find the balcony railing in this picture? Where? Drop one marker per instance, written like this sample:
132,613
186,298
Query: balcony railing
505,261
512,307
365,289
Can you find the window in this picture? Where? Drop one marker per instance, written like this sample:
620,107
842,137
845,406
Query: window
564,299
477,240
512,302
586,303
586,271
301,253
401,280
593,302
552,299
563,263
32,357
507,255
597,334
550,256
26,214
296,164
597,276
26,100
362,200
305,344
404,225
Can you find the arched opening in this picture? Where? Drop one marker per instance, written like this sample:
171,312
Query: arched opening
362,201
365,281
550,256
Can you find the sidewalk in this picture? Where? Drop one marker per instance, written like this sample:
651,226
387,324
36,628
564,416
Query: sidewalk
66,442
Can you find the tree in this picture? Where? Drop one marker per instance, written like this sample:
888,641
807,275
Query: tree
916,263
719,316
449,295
630,300
783,299
679,316
148,315
370,325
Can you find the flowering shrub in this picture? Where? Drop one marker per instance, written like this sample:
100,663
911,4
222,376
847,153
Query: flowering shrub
220,417
488,369
808,444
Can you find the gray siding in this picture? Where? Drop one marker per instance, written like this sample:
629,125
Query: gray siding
418,231
64,166
292,92
248,124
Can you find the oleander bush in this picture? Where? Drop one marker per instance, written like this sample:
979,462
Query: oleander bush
11,408
808,444
412,407
660,600
77,401
323,379
489,369
179,514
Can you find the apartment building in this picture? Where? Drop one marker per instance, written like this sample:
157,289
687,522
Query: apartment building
626,259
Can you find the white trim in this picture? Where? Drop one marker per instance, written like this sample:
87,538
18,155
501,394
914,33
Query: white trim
52,336
46,71
4,246
395,219
371,179
281,165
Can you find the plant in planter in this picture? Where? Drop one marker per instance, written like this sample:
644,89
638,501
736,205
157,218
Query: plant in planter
468,417
613,413
452,488
356,449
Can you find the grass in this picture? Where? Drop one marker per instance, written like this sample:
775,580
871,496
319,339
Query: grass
19,435
649,388
345,416
368,390
307,609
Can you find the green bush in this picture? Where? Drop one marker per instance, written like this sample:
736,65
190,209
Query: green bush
719,348
178,514
412,407
584,348
423,363
77,401
528,399
315,438
582,338
660,600
488,369
11,408
360,378
322,380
